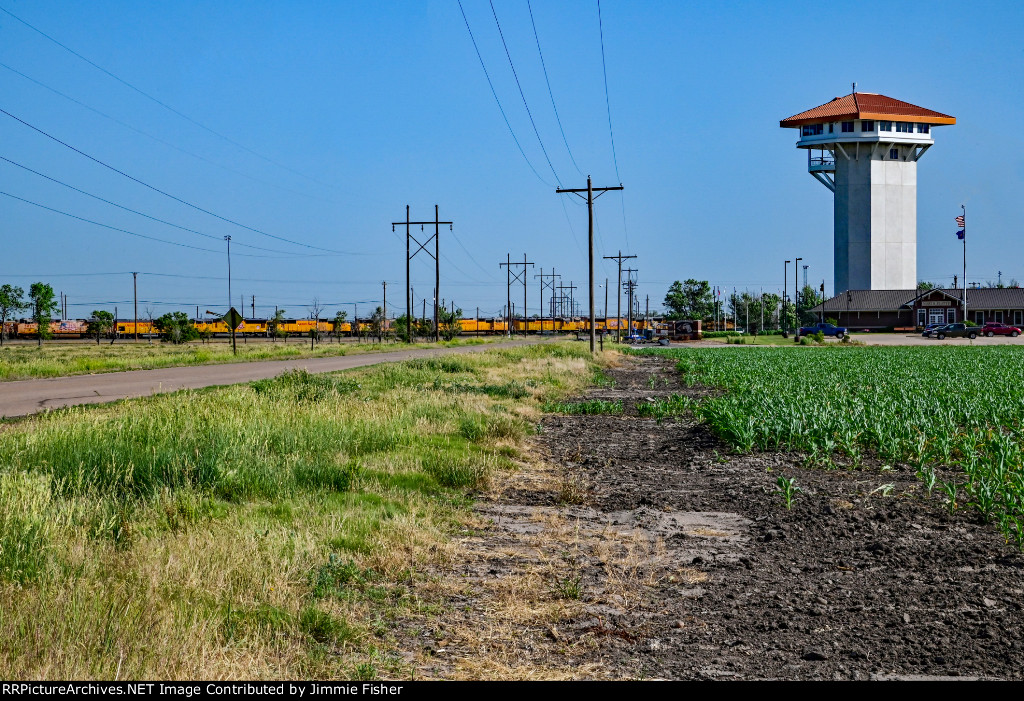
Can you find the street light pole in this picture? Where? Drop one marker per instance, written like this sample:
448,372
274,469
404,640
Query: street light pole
785,282
796,291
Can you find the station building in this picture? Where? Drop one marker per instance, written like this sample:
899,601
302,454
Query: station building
880,310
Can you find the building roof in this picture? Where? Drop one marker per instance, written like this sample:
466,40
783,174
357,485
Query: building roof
986,297
867,105
891,300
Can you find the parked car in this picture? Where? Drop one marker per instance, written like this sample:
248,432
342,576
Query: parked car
955,331
929,328
825,328
993,329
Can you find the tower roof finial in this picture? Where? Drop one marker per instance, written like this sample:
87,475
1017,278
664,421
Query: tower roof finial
854,88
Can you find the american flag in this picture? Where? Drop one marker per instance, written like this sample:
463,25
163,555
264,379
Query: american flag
960,222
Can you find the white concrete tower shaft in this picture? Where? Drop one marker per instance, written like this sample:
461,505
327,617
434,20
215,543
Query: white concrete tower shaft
865,147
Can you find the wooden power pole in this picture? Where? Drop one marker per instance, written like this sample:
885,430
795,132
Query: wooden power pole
590,190
618,298
515,277
436,255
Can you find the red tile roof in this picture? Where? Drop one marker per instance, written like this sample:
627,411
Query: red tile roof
866,105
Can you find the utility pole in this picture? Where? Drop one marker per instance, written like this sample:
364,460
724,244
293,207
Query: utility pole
630,284
785,282
135,295
796,293
562,298
618,297
436,255
606,305
385,321
234,347
549,284
963,224
590,242
253,307
515,277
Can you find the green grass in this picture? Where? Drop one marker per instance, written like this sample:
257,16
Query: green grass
673,405
923,406
22,361
589,406
252,530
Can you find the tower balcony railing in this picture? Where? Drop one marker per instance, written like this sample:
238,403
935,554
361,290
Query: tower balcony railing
823,162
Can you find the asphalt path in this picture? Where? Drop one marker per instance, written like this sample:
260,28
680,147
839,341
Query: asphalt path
25,397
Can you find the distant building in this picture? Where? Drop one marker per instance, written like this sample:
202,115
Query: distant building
877,310
864,147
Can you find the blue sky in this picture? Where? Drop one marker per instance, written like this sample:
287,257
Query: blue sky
343,113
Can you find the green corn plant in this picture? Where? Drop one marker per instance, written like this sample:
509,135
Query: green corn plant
787,489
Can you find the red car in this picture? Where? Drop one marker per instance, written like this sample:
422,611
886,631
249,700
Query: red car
994,329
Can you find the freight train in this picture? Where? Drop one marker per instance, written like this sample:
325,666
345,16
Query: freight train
79,328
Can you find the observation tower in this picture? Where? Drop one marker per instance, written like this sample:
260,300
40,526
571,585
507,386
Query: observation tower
864,147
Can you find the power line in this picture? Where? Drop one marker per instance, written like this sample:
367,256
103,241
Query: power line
523,95
608,107
126,125
142,214
493,92
550,93
469,254
161,103
607,102
124,231
162,192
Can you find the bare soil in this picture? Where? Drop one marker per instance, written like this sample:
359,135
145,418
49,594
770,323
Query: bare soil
637,549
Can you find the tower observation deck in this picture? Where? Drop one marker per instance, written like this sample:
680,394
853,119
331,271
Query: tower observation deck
864,147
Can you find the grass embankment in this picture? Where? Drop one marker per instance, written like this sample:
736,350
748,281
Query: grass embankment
926,407
28,361
256,531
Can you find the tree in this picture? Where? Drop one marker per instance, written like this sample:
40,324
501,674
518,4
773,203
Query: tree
377,323
152,324
691,299
809,298
924,285
420,327
101,322
314,311
12,300
339,322
43,307
449,323
176,327
274,325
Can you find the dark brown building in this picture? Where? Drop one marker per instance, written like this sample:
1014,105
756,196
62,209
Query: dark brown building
877,310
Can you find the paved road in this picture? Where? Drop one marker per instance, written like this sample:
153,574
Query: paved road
30,396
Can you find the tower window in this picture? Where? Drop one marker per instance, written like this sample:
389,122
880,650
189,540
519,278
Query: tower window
922,128
812,129
830,127
894,154
867,125
847,126
885,126
905,127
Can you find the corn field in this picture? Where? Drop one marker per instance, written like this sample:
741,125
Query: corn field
960,407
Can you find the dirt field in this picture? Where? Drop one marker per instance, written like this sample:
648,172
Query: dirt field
645,550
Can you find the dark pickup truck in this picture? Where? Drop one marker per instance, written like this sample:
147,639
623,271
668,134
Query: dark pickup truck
827,329
954,331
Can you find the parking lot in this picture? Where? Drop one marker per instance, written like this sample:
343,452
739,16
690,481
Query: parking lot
916,339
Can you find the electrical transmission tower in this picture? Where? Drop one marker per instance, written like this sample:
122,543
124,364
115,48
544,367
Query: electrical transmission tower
618,298
436,255
549,284
590,190
515,277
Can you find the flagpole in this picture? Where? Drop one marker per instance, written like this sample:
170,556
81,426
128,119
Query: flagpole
965,261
